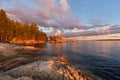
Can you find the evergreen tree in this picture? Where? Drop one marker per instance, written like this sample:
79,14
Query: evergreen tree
10,29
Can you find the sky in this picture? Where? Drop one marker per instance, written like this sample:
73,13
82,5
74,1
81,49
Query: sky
80,19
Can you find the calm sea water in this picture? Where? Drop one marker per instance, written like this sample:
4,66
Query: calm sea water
102,58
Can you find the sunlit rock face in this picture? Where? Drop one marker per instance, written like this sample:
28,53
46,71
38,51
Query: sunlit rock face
56,68
57,39
20,41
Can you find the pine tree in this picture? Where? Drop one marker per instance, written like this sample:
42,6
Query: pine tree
10,29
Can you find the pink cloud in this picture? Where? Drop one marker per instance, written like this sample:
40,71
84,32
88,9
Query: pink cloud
65,5
45,13
101,31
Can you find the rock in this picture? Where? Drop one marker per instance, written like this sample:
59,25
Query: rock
57,39
11,63
24,78
63,60
7,77
6,49
2,47
71,40
56,68
21,41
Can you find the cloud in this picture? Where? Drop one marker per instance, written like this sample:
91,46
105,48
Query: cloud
105,29
98,37
101,31
65,5
46,13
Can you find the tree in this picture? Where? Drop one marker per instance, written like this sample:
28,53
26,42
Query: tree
10,29
5,26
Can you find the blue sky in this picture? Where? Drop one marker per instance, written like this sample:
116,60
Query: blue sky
106,10
69,18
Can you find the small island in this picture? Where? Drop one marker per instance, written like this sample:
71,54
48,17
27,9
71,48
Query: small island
57,39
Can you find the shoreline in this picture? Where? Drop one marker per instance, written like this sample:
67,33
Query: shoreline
27,64
55,68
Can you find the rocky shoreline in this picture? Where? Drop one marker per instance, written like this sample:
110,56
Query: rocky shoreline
55,68
29,65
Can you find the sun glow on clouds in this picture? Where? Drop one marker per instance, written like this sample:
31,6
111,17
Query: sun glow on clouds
77,30
100,37
105,29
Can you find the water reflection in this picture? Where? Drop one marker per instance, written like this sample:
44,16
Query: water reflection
102,48
40,46
105,48
56,48
73,47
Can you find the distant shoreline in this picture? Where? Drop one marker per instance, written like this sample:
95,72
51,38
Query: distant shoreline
102,40
109,40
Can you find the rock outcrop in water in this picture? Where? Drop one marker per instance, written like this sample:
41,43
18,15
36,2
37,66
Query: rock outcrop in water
56,68
57,39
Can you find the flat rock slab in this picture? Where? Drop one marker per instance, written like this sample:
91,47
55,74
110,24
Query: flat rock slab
56,68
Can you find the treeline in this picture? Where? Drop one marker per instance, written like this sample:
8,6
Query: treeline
10,29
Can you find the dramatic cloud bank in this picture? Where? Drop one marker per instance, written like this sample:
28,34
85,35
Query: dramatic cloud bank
47,13
55,16
102,30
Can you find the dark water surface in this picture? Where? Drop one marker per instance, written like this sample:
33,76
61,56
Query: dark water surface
102,58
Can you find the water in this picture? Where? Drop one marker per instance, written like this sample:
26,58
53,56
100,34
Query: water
102,58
